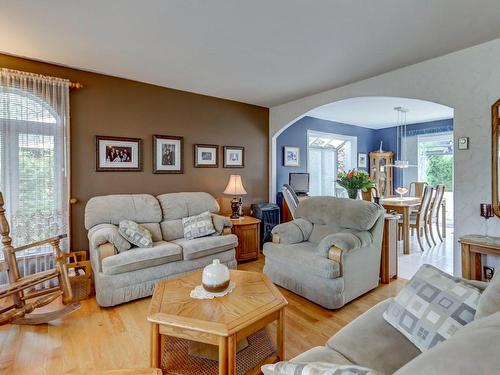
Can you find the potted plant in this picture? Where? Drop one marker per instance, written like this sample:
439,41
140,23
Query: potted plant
353,181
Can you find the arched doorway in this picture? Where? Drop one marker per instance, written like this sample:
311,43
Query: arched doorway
326,136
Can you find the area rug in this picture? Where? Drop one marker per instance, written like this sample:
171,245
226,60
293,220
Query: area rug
176,359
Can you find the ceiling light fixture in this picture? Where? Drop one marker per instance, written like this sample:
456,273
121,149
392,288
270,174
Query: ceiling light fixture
401,161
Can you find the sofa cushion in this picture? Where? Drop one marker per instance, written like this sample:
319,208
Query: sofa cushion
315,368
489,302
102,233
203,246
172,229
370,341
341,212
138,258
473,350
111,209
432,307
155,230
198,226
135,233
180,205
302,256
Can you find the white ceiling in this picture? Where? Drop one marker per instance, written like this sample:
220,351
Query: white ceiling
260,51
378,112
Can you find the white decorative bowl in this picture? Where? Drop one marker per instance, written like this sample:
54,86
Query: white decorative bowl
215,277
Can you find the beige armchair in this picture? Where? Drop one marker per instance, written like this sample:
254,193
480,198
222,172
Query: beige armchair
330,253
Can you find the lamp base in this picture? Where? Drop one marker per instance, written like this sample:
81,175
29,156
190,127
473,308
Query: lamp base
235,207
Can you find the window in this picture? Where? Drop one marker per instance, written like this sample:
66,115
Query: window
31,166
435,165
327,155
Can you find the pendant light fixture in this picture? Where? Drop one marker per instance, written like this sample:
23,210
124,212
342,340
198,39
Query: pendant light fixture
401,161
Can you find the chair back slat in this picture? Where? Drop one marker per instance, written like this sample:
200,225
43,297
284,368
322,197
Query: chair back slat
417,189
290,198
438,199
425,204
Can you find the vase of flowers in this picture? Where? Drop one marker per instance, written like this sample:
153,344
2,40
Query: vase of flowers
353,181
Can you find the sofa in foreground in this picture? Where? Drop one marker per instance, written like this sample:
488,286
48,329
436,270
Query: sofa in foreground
380,348
121,273
330,253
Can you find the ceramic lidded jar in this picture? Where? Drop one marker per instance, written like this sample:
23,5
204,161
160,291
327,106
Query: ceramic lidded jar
215,278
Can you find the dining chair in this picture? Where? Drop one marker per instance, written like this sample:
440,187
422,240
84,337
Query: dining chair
417,188
290,197
433,216
370,194
418,221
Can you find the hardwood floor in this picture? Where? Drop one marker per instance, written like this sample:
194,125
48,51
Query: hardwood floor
95,338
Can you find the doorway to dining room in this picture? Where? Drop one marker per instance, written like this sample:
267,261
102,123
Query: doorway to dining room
374,122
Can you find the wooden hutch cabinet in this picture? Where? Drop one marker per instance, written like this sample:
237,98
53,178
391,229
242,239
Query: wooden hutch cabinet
380,174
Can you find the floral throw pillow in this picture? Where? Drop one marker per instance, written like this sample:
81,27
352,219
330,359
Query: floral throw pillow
198,226
135,233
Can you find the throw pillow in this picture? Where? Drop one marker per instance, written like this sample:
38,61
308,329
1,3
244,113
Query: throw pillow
489,302
316,368
135,234
198,226
432,307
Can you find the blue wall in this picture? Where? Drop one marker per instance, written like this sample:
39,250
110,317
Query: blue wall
368,140
296,135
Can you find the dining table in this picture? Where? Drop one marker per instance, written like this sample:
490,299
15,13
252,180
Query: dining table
405,206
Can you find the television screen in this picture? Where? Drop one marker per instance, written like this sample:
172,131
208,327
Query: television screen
299,182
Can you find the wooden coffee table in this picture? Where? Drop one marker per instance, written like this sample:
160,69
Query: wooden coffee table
253,304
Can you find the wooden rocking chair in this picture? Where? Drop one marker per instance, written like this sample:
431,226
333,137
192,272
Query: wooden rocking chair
20,289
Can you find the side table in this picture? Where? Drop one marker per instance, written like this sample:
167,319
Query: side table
247,229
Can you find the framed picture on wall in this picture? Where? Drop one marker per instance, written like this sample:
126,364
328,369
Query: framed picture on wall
206,156
118,154
362,160
168,154
234,157
291,156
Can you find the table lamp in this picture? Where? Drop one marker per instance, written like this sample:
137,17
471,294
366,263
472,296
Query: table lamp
235,188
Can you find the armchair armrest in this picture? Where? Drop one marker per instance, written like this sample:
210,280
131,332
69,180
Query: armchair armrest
222,224
103,251
336,246
107,233
294,231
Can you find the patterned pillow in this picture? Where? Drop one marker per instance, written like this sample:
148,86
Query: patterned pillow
316,368
135,234
432,307
198,226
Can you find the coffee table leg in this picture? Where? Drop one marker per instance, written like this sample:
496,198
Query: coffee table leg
223,355
231,355
280,331
155,356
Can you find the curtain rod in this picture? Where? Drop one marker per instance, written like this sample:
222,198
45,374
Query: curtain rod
75,85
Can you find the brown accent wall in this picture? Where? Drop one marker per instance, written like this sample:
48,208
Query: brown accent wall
119,107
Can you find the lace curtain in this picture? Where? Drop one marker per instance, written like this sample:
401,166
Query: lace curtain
34,157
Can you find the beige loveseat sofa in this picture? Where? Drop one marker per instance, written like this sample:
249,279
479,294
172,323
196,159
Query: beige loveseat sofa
369,341
128,275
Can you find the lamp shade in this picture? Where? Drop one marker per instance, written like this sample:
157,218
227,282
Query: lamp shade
235,186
